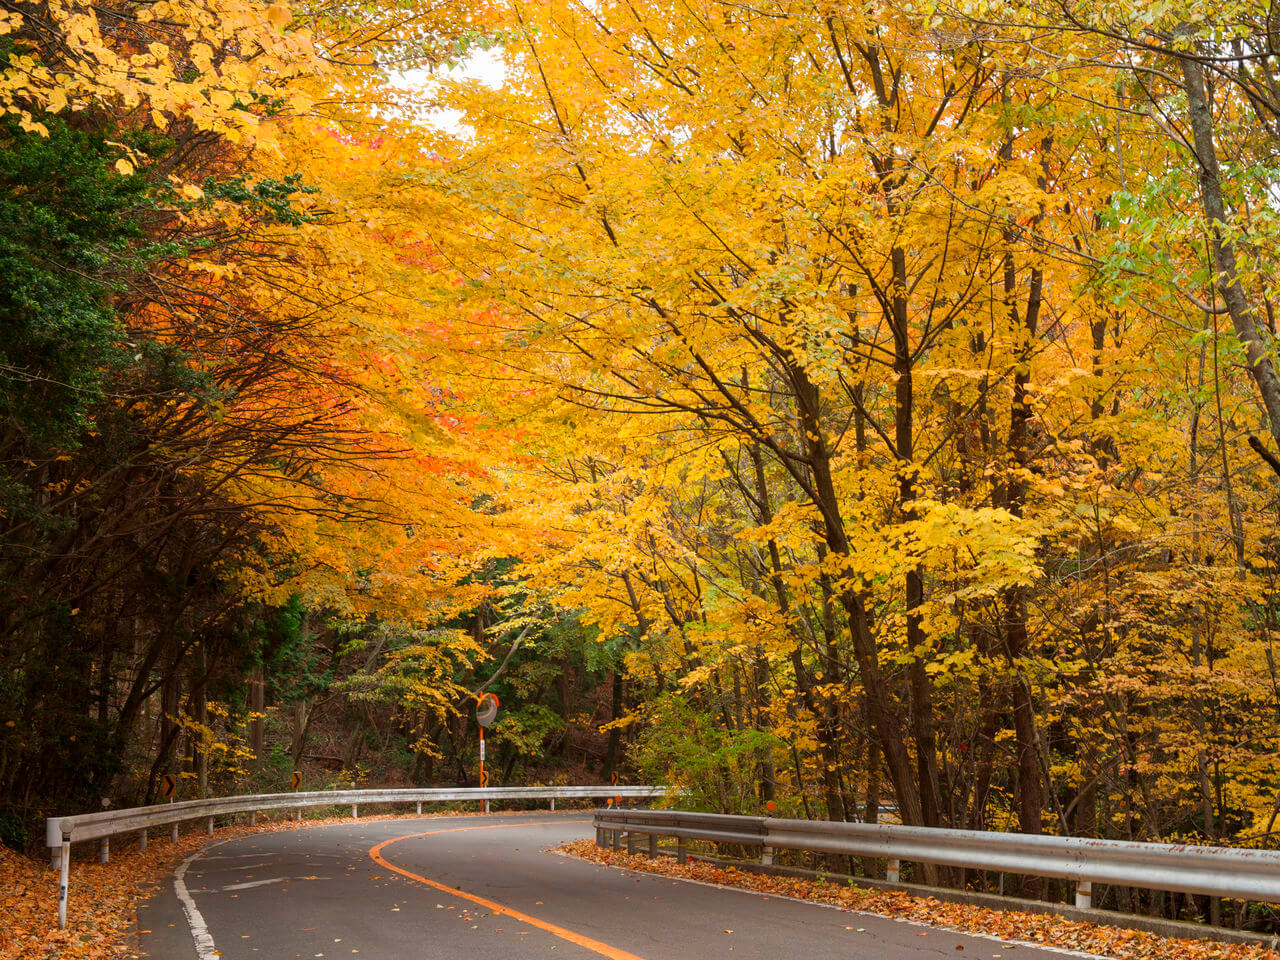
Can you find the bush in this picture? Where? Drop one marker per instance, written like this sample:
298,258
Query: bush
684,747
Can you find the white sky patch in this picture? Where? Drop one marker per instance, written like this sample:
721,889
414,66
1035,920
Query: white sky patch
486,66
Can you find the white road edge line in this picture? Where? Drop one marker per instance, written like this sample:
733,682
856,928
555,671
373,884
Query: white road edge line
205,950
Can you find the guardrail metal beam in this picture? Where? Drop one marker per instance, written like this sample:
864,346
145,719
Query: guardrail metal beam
62,832
1215,871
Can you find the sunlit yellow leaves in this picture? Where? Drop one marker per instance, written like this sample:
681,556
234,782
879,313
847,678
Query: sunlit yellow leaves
278,14
201,55
232,44
716,273
33,126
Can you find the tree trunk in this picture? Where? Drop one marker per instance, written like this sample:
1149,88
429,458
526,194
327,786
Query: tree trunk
301,722
921,702
1200,119
881,705
257,706
1024,325
615,735
201,709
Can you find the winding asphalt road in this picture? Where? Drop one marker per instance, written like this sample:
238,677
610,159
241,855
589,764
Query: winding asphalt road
486,887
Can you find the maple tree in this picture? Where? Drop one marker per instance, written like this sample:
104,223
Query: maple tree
884,404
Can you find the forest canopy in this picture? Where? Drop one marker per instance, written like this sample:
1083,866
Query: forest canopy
842,407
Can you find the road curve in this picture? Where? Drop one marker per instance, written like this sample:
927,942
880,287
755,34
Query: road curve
485,887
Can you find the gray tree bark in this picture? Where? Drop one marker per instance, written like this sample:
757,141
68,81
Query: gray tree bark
1200,119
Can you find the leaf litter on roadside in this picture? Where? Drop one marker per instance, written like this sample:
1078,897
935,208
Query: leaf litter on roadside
1040,928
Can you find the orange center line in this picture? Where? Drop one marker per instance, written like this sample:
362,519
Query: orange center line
595,946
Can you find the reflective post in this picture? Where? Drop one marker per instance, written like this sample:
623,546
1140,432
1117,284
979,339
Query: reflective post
1084,894
893,871
64,879
484,782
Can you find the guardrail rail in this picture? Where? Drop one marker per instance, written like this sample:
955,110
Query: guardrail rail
1216,871
62,832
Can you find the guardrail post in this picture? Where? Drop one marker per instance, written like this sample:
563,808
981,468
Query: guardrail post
682,851
209,827
64,880
631,844
173,833
419,808
600,837
1084,894
486,804
142,839
104,850
553,804
355,811
766,856
253,818
893,871
616,839
653,846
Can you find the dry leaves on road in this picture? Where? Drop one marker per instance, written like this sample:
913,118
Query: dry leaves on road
1011,925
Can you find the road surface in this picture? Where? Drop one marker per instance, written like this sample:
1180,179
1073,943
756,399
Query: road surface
465,887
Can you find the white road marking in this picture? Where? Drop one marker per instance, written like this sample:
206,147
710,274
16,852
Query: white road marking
262,883
205,949
253,883
236,856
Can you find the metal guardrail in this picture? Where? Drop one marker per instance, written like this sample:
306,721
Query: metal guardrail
61,832
1216,871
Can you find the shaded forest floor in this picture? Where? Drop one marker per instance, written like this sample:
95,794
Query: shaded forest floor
1006,924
